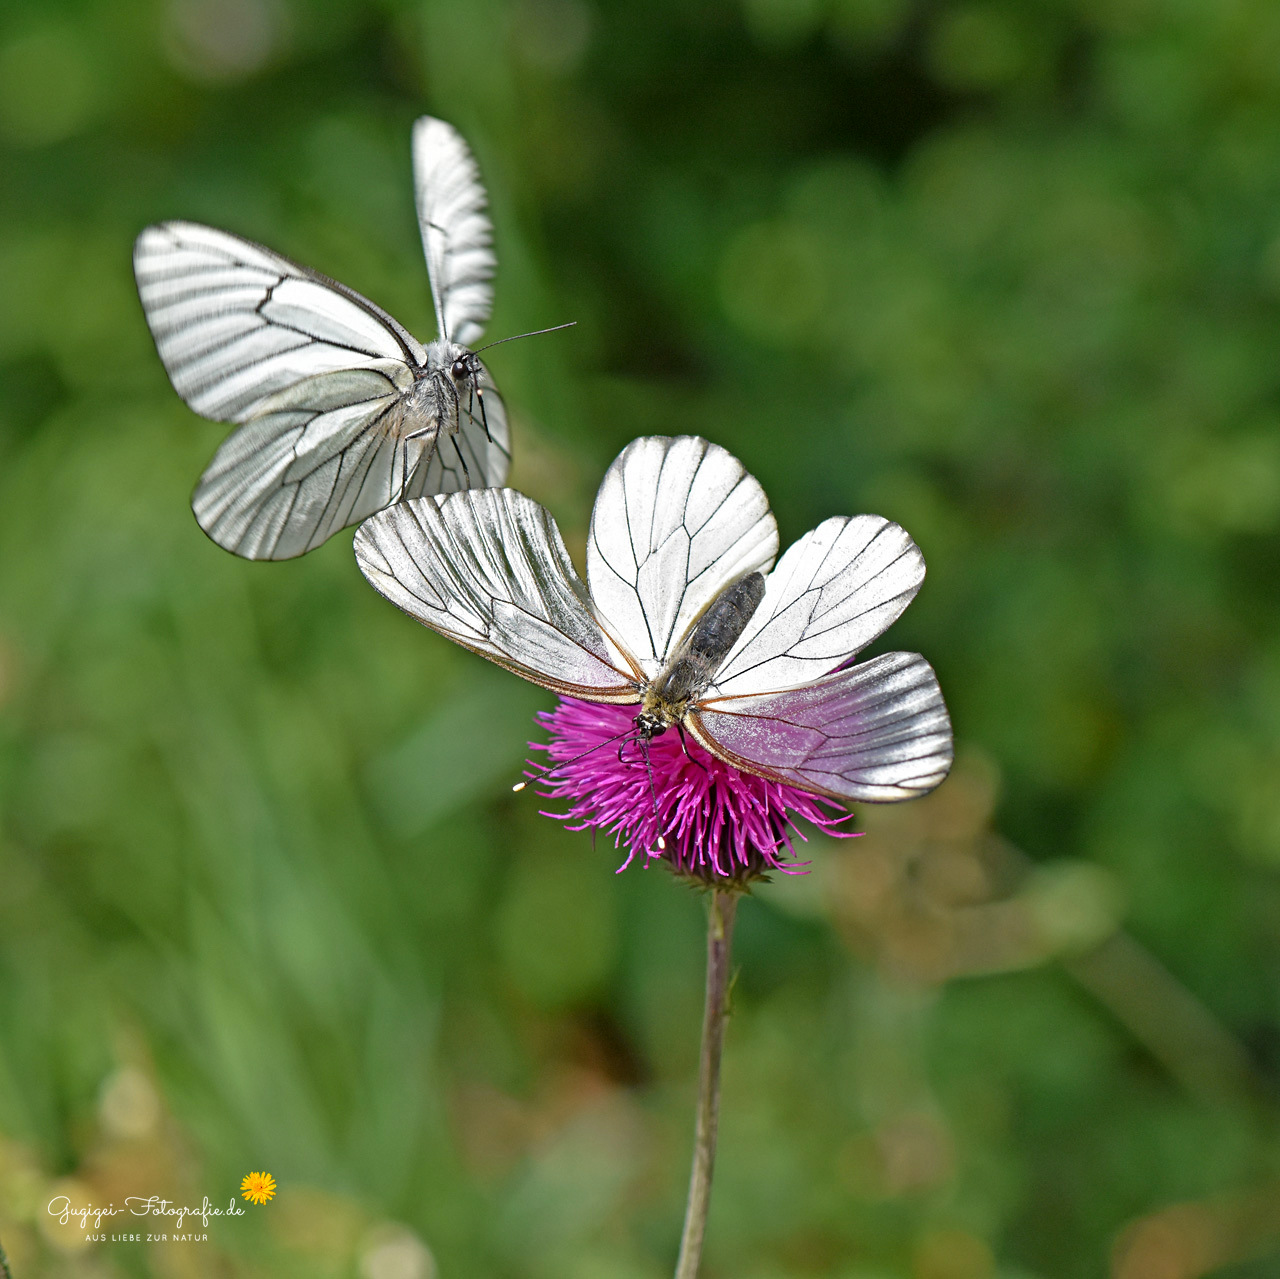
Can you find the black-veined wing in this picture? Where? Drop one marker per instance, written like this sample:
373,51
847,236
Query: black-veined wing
236,324
315,372
488,569
877,731
457,235
676,520
829,596
323,455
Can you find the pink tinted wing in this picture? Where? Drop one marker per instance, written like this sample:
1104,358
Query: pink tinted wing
488,569
876,731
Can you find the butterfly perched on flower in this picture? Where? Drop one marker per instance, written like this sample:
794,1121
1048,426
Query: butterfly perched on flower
685,616
341,410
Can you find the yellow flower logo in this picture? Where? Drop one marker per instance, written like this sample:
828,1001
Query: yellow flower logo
258,1187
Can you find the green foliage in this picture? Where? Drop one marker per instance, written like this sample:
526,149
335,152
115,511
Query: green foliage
1007,273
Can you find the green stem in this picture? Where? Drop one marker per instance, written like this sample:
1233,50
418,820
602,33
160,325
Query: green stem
4,1264
719,938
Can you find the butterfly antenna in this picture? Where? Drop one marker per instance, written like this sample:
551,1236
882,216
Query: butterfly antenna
648,763
533,333
545,773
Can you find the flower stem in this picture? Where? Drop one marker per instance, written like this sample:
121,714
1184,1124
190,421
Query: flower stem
719,938
4,1264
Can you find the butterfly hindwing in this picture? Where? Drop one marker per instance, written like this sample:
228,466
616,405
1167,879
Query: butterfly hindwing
285,482
876,731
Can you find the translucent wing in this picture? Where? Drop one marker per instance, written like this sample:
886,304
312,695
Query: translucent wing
236,324
479,455
488,569
315,372
324,455
830,595
877,731
457,235
675,521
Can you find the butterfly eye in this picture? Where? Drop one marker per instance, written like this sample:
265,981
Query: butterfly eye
460,369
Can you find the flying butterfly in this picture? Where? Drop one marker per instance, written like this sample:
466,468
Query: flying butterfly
685,615
341,411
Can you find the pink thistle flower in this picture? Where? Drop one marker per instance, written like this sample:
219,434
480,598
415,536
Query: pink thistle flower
706,818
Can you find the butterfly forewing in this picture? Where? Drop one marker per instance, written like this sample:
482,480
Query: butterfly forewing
235,323
675,522
489,570
829,596
457,235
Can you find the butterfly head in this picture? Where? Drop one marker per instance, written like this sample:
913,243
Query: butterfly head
662,706
465,366
450,362
651,723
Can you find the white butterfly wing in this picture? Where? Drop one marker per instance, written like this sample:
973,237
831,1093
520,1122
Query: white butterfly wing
324,456
236,324
830,595
675,521
479,455
877,731
457,235
314,371
489,570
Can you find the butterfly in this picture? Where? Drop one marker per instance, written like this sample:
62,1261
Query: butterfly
341,410
685,615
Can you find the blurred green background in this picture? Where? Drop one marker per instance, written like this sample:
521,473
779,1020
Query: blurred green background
1008,273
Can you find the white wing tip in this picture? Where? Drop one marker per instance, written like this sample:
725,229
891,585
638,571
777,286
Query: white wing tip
425,124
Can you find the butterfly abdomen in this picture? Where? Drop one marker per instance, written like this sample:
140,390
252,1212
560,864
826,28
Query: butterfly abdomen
695,662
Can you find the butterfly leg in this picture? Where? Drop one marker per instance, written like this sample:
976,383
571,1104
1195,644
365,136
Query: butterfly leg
657,814
465,472
424,433
684,743
484,419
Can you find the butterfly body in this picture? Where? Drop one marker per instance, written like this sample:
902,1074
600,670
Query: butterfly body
692,667
443,386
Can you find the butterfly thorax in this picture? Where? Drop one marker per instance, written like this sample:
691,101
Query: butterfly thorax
441,386
691,668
